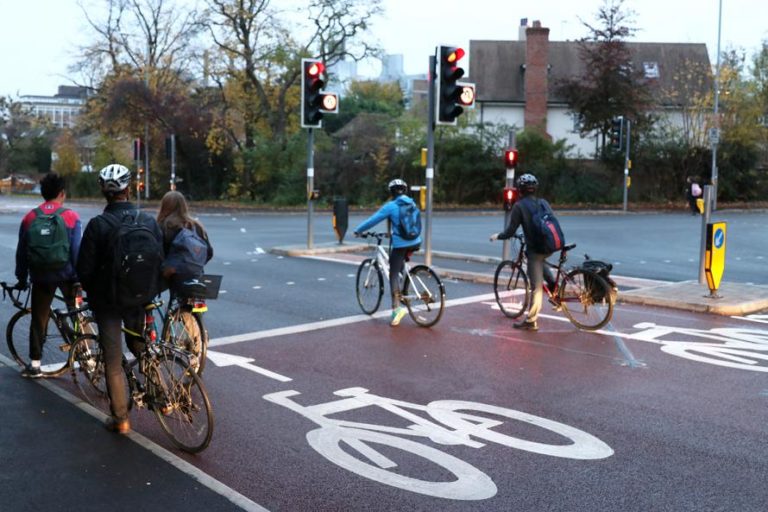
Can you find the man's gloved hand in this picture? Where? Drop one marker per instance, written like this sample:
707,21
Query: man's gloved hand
494,237
21,286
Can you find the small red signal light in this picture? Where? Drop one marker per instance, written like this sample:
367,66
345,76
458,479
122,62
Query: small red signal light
509,197
510,158
315,69
456,55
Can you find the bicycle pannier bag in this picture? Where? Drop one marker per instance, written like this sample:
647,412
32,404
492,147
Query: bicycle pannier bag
603,270
188,253
410,221
48,241
547,234
136,261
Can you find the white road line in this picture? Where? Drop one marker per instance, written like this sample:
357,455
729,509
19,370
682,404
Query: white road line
324,324
177,462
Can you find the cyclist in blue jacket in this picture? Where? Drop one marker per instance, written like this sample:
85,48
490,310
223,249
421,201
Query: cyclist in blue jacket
400,247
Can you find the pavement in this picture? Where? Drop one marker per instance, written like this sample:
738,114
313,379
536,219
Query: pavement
730,299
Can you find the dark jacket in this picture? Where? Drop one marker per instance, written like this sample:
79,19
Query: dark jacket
169,233
74,230
521,216
94,264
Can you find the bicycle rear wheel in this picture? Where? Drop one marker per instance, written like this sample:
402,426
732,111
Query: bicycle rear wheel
370,286
185,330
55,345
510,285
179,400
86,362
586,299
424,296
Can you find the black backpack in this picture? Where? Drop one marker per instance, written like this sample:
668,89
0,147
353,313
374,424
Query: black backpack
547,234
136,259
410,221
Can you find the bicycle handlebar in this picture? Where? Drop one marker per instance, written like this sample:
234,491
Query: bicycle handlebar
8,291
373,234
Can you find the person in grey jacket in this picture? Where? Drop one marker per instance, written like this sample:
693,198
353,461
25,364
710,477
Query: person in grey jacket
527,184
400,247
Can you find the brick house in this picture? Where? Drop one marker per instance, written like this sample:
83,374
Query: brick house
517,81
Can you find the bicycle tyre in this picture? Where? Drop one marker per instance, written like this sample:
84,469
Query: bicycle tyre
511,288
56,347
369,288
431,296
86,362
586,299
186,330
180,402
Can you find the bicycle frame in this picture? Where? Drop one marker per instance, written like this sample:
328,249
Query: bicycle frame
382,260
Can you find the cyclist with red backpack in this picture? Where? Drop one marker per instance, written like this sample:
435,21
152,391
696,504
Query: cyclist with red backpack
49,241
119,267
404,216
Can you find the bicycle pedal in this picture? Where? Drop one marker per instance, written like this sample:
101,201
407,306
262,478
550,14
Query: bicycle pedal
64,347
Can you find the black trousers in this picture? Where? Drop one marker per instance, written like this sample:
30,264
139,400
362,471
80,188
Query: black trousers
42,298
110,320
396,263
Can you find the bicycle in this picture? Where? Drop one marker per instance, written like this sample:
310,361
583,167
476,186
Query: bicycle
63,326
423,293
586,298
166,383
183,325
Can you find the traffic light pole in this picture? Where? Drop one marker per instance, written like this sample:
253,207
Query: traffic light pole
430,172
173,162
507,244
626,163
310,183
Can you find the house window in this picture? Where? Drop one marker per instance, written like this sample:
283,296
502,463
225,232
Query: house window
651,69
576,122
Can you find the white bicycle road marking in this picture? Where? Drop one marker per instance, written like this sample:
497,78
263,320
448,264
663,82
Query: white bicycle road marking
457,423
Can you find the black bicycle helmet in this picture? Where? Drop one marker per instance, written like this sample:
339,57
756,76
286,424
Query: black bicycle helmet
114,178
527,183
397,187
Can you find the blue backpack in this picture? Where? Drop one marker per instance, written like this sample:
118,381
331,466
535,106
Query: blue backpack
410,221
547,234
188,253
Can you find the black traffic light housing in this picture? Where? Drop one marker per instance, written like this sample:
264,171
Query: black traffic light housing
314,101
451,96
617,132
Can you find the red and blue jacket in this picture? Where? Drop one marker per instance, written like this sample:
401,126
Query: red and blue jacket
75,232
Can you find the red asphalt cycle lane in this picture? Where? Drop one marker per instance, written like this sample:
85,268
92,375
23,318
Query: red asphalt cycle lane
654,407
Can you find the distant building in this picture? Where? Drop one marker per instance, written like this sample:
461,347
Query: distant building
517,81
62,109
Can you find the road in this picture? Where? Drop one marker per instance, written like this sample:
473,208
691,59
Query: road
321,408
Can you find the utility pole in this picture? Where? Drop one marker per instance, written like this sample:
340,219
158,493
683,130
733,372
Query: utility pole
430,171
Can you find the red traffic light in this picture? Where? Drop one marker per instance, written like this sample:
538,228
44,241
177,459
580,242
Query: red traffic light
315,69
510,158
509,197
455,56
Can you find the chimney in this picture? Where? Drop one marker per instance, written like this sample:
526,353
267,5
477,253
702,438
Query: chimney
521,29
536,80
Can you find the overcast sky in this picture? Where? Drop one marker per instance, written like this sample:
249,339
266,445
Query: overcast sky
39,38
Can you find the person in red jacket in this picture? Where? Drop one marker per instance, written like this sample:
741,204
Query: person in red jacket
46,281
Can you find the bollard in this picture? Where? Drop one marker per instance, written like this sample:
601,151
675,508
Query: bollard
340,218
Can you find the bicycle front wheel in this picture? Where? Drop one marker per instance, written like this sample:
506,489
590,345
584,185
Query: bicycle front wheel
55,345
424,295
586,299
370,286
510,285
185,330
86,361
179,400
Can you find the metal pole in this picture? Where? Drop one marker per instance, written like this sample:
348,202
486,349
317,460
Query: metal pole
717,120
626,163
506,246
173,162
146,130
708,192
310,183
430,172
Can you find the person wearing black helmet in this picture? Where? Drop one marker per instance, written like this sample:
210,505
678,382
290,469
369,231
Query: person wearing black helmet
401,246
521,215
95,267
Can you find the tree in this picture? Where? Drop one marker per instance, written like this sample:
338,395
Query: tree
367,96
610,86
67,161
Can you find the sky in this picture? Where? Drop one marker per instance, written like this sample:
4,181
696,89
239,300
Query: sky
39,38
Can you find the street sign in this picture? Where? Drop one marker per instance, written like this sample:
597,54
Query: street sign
714,136
714,257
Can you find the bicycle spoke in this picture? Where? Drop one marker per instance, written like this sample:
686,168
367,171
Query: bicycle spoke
586,299
426,302
370,286
510,285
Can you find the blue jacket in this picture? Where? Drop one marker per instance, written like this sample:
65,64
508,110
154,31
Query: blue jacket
390,211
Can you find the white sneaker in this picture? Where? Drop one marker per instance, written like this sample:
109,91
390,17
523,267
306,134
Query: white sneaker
398,315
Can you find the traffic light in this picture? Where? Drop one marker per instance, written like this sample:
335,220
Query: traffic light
140,179
510,158
617,132
452,96
510,196
314,101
